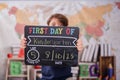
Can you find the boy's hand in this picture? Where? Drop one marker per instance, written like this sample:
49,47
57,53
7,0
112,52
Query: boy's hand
23,43
79,45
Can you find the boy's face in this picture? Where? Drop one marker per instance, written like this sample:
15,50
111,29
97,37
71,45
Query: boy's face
55,22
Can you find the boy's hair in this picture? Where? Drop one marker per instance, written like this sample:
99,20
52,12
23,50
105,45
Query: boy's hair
63,19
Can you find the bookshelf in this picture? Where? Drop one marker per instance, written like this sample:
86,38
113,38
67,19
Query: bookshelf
100,55
16,69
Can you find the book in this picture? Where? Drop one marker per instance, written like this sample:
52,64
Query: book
74,70
101,49
88,53
109,49
91,53
105,49
96,53
84,54
80,56
15,49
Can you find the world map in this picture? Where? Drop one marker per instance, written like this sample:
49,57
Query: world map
90,19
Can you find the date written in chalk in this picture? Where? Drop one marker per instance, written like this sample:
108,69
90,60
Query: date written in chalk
52,55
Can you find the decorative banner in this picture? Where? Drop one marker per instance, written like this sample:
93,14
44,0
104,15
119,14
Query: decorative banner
49,45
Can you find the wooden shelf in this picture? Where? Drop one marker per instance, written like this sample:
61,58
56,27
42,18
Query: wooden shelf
15,58
17,75
24,69
88,77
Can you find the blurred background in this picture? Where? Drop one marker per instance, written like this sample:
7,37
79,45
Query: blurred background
97,19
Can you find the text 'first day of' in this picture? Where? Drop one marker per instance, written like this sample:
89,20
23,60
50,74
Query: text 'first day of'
52,31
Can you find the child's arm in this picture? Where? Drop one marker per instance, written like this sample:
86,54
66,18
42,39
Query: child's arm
79,45
23,42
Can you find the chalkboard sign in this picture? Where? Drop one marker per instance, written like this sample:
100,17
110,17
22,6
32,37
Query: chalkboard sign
49,45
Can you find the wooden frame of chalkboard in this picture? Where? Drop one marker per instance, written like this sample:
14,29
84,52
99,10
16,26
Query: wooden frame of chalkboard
50,45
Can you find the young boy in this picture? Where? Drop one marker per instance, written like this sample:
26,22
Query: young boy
54,72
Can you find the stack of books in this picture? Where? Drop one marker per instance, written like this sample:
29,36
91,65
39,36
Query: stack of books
92,52
74,71
15,49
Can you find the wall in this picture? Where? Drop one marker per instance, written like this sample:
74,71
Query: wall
97,20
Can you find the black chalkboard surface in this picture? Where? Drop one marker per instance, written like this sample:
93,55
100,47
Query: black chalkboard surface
50,45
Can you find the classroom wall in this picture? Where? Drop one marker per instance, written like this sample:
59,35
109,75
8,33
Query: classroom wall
97,20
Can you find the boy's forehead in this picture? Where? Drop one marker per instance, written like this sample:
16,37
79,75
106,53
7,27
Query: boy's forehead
55,21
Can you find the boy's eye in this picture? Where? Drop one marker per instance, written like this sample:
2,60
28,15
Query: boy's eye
52,24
